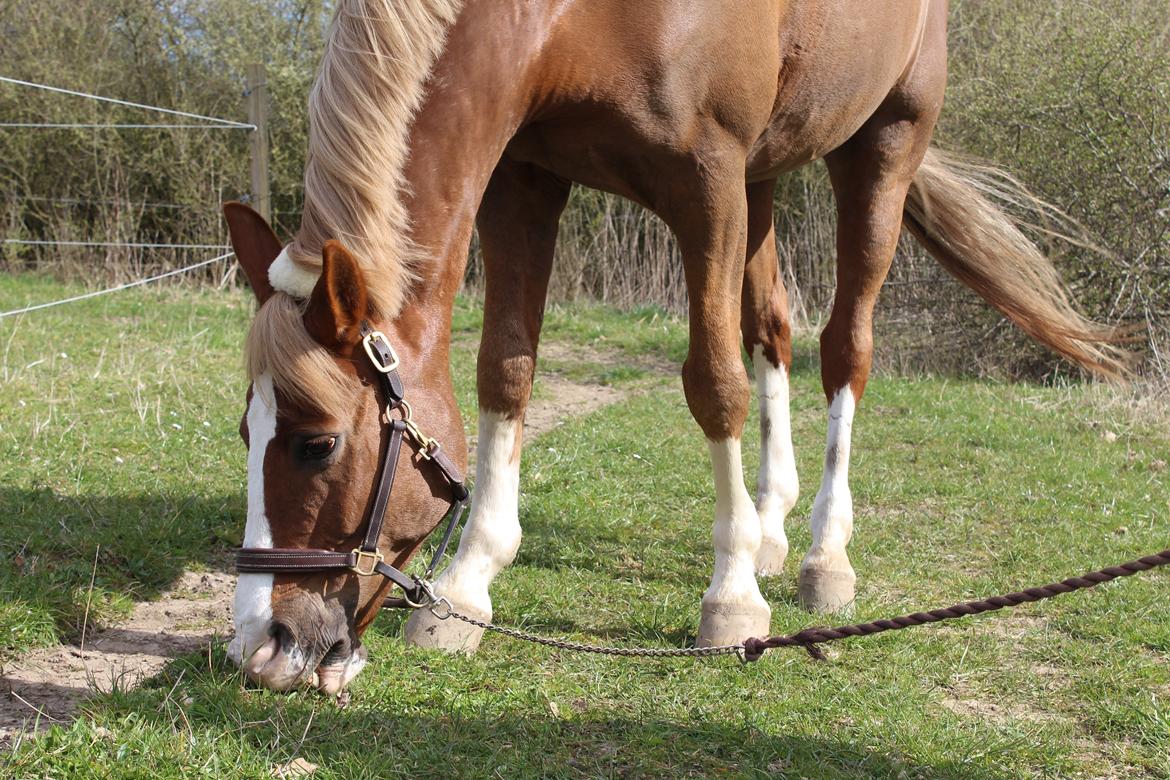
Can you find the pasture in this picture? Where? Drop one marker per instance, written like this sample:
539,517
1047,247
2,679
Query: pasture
119,419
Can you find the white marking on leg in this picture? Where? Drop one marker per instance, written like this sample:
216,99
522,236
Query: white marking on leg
777,487
493,529
736,533
832,516
253,600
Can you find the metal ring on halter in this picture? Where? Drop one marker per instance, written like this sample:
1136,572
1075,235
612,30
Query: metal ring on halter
424,587
427,446
442,601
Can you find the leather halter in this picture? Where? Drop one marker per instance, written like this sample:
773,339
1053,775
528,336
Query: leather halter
367,560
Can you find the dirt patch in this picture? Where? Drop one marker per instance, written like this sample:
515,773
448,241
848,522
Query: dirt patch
998,712
1016,626
46,686
559,351
564,400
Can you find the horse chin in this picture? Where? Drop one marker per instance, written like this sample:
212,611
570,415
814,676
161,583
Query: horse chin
331,679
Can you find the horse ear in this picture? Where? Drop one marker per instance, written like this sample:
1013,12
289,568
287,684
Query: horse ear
255,244
339,302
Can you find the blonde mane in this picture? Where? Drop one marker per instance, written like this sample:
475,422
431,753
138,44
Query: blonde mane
361,108
371,82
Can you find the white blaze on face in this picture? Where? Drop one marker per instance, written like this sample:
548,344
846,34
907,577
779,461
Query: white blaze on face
253,603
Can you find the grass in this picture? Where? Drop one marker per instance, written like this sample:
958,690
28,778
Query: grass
961,488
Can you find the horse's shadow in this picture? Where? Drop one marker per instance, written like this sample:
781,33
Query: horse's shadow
52,545
387,734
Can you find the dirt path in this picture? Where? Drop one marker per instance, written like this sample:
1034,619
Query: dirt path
45,687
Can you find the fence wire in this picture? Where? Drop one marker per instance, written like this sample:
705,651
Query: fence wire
118,288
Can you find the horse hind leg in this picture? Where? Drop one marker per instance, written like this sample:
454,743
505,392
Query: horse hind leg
871,175
767,338
518,228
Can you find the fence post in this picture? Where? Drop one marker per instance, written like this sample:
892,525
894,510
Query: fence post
257,95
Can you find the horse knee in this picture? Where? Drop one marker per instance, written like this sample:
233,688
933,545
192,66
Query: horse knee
504,375
718,396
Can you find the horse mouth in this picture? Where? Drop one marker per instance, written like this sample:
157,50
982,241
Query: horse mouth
334,674
282,664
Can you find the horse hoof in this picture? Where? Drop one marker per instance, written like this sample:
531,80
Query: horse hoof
826,590
730,624
424,629
770,558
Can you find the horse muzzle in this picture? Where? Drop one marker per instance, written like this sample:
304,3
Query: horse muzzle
311,645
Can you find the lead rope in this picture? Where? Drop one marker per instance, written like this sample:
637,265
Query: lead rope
810,639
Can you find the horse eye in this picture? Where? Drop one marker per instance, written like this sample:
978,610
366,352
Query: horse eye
319,448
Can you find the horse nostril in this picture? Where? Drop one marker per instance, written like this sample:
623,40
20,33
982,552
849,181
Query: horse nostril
337,653
283,636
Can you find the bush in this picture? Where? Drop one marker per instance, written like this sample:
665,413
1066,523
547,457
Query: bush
1071,96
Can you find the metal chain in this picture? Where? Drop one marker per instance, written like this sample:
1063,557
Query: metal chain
810,638
581,647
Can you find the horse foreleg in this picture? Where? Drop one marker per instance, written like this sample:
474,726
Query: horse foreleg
711,231
517,227
767,338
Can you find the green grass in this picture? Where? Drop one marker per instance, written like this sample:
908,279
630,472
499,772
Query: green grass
961,488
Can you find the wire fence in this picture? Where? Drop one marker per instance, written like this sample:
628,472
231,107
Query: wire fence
117,288
201,122
110,244
215,121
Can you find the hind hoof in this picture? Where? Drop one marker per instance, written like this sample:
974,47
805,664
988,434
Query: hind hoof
730,624
770,558
827,590
424,629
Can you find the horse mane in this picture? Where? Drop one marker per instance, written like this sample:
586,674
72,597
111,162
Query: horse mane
371,82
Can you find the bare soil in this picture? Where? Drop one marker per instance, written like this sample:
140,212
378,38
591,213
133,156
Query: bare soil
47,686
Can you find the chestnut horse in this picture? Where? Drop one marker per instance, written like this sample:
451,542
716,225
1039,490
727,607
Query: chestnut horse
429,116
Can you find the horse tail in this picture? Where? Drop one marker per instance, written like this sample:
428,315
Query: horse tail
951,209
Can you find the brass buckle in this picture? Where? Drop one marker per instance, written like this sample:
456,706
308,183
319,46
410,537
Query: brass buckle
368,343
374,558
425,443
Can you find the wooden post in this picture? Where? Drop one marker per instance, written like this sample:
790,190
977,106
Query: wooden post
257,96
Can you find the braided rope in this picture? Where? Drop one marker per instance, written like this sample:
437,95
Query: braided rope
810,638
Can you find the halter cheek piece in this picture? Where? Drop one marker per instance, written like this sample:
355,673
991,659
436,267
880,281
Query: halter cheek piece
367,560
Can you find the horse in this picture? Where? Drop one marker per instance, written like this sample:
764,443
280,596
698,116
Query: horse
429,117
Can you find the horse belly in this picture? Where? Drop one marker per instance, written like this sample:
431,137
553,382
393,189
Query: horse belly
840,61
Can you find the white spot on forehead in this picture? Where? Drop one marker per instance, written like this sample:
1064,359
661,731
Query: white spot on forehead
253,602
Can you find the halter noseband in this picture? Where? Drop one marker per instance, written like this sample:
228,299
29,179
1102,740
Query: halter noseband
367,560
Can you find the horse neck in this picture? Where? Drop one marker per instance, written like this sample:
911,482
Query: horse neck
477,97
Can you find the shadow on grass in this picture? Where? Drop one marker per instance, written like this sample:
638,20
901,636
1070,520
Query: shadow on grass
469,732
143,543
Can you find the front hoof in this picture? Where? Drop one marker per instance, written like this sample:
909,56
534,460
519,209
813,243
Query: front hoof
451,635
827,590
730,624
771,556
